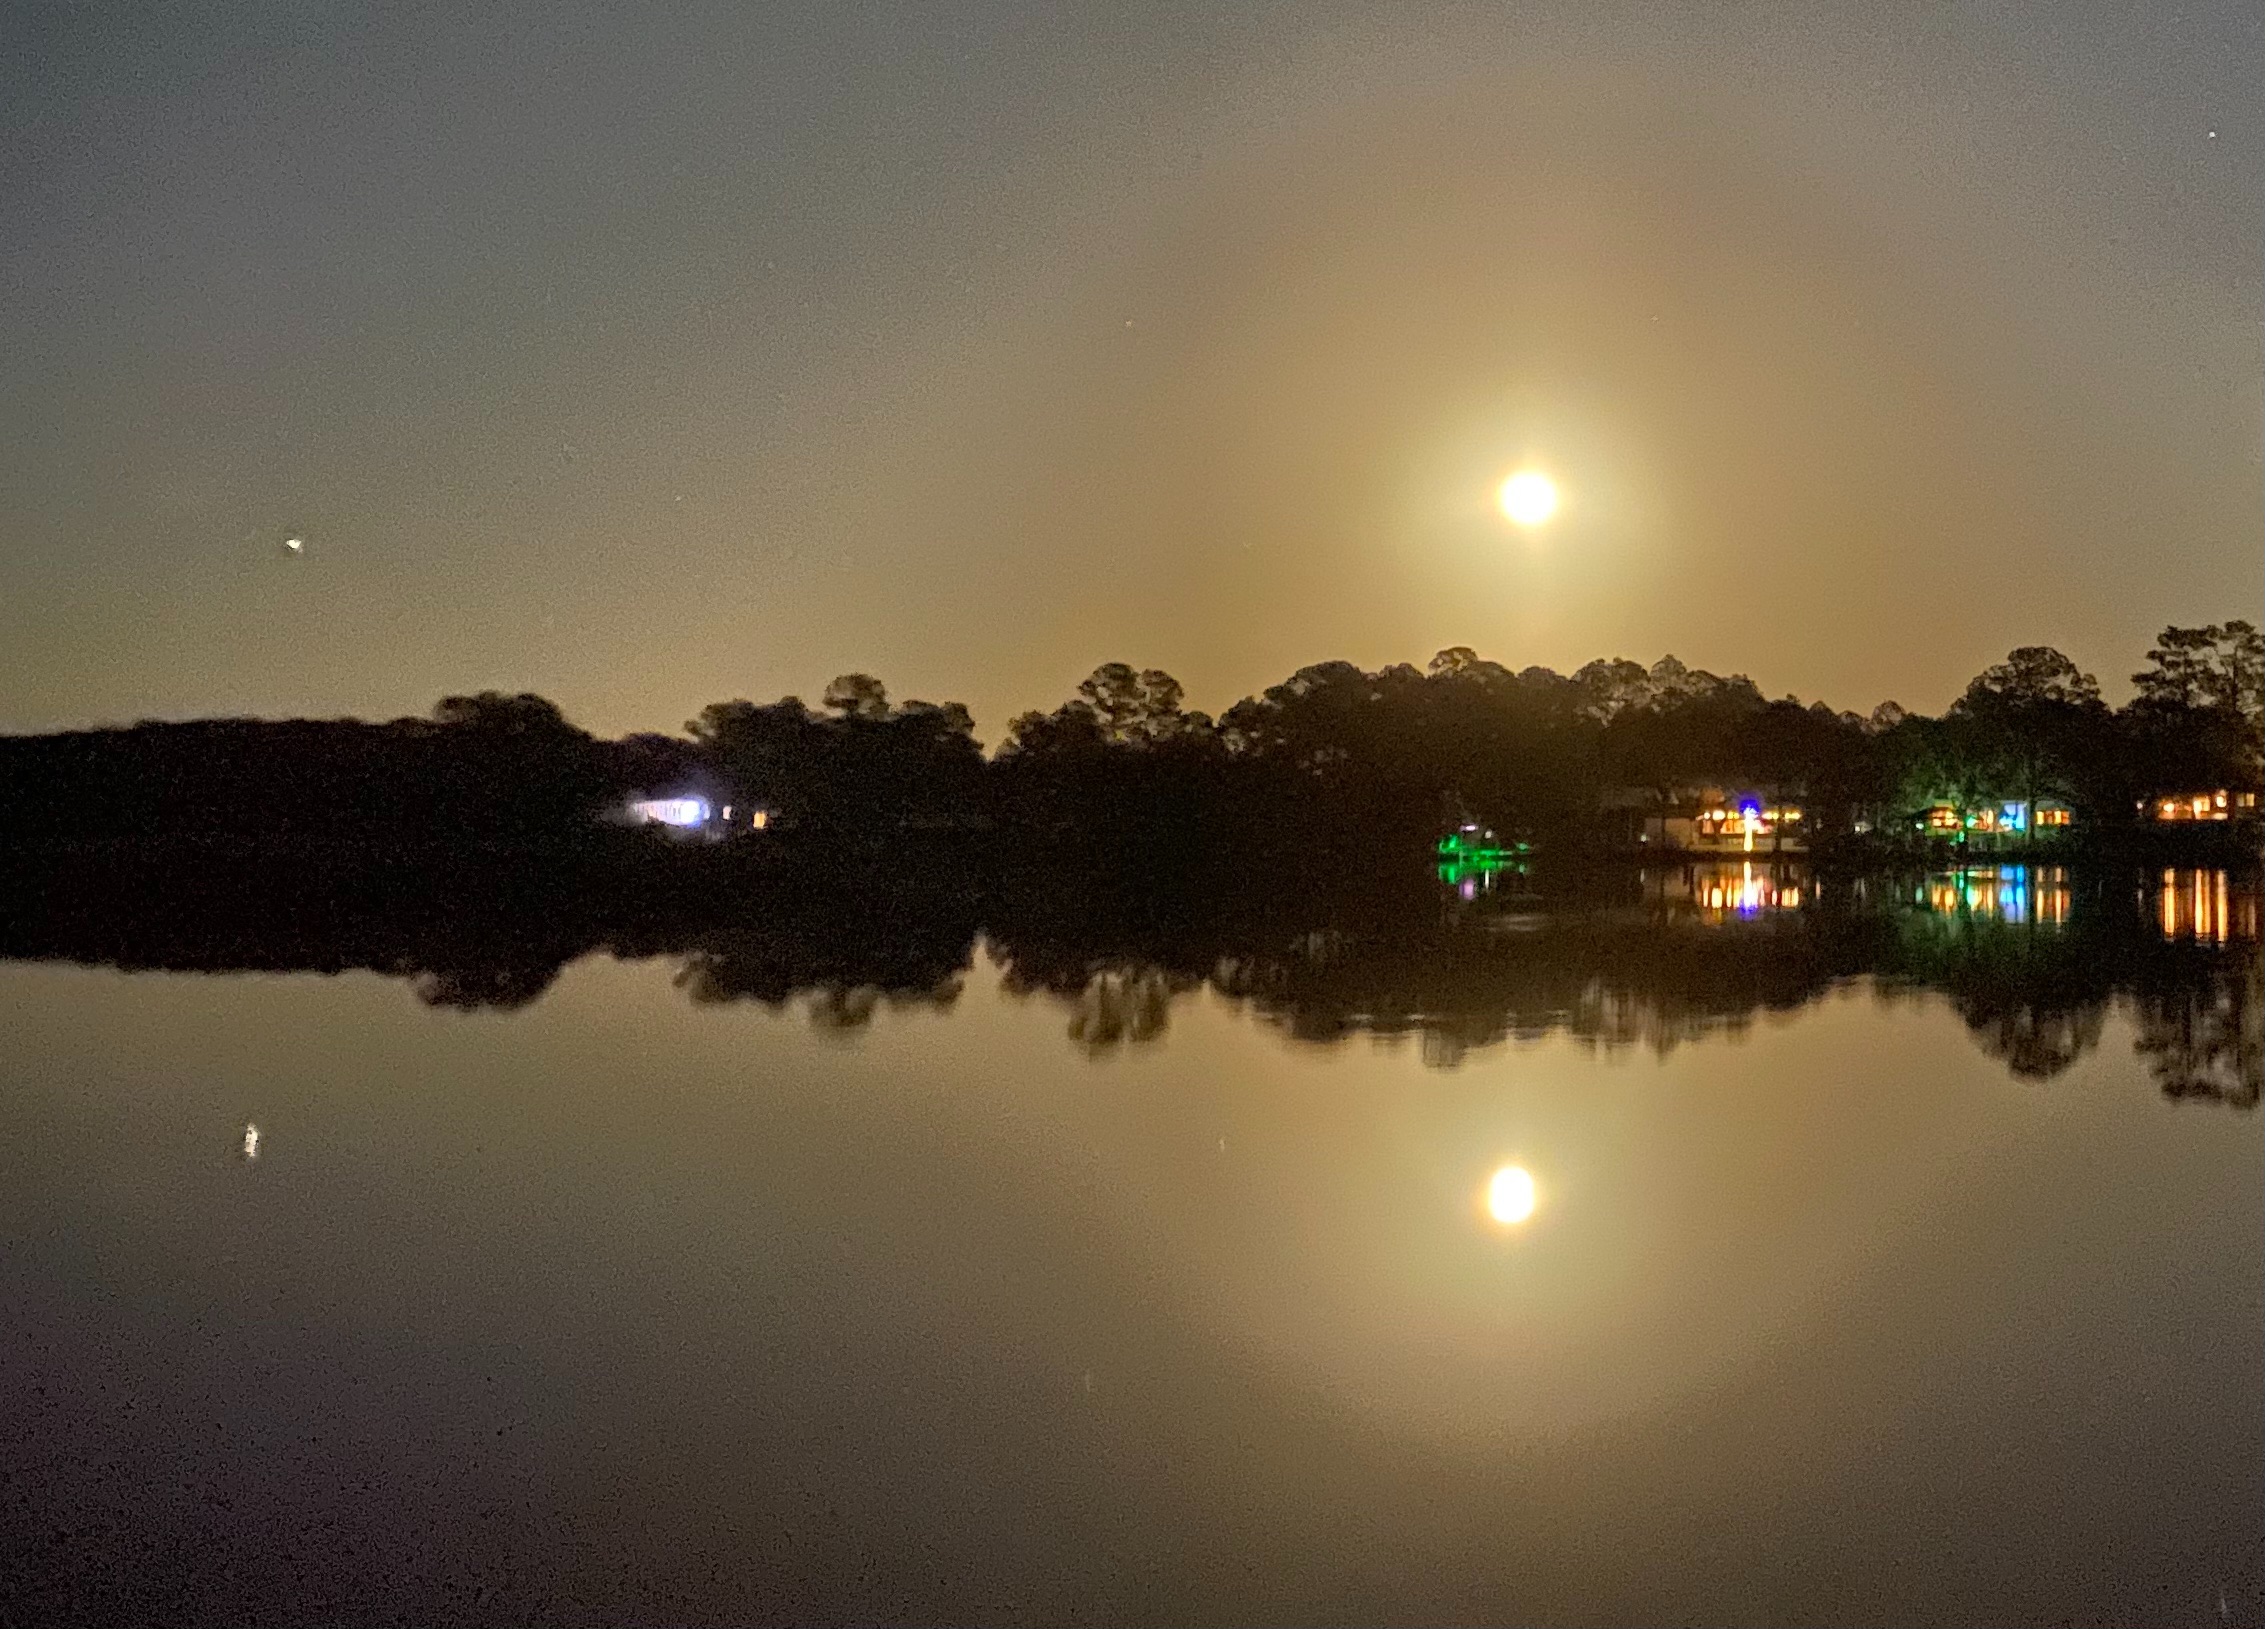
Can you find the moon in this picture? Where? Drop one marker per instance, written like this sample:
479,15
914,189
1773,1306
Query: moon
1527,498
1510,1196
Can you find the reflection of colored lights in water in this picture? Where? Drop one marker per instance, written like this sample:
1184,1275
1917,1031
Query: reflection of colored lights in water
1469,878
1510,1195
1751,893
2007,893
2203,905
1753,890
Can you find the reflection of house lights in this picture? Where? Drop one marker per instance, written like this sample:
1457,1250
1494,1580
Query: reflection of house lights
2016,894
1752,891
2197,905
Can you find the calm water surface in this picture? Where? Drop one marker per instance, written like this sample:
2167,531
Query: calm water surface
1043,1295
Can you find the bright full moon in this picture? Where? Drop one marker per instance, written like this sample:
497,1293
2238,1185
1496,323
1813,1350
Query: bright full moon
1510,1195
1528,497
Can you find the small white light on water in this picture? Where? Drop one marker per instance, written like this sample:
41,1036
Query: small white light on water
251,1142
1510,1195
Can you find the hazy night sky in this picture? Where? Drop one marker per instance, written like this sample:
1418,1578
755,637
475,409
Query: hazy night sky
647,355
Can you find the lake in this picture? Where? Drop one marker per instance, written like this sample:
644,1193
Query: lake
1896,1253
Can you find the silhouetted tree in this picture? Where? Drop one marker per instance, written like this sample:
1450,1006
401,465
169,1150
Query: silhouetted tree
2198,720
492,712
2033,726
857,695
863,768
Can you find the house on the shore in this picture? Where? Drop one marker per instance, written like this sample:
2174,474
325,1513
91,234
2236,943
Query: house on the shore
684,813
1721,819
2001,821
664,783
2221,804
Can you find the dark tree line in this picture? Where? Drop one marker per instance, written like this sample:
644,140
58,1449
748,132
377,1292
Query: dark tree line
1337,755
484,768
1333,759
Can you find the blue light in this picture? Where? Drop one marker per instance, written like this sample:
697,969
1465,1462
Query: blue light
1749,808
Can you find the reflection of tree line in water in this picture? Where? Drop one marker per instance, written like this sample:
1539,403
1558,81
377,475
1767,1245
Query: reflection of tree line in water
2036,999
1609,962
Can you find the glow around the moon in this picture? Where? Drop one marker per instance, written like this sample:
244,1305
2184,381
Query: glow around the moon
1528,498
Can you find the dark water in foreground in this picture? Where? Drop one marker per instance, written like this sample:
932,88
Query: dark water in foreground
1897,1255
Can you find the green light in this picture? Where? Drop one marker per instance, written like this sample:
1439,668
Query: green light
1464,847
1472,856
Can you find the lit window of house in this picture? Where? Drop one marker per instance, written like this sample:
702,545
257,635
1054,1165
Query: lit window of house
2195,806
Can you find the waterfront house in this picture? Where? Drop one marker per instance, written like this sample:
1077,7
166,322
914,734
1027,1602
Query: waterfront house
1726,819
2004,820
2221,804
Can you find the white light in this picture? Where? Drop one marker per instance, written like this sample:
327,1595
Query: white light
1510,1195
295,544
1528,498
671,811
251,1142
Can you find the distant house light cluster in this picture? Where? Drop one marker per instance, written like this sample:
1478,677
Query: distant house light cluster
2012,817
1713,819
2218,805
681,812
690,814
